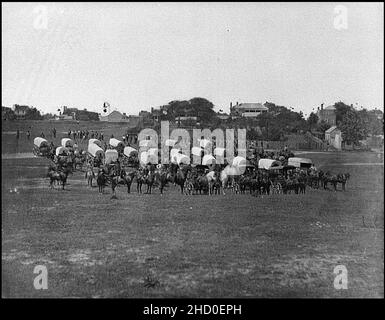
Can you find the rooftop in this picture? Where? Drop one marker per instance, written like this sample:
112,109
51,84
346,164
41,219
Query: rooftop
256,106
331,129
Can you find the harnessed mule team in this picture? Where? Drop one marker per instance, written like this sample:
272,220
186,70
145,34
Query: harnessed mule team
119,165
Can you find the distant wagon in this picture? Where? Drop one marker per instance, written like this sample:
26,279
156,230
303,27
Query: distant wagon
269,164
111,156
95,155
300,162
130,156
67,143
61,151
180,159
41,147
95,141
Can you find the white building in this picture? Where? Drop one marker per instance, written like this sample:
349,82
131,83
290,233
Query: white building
250,110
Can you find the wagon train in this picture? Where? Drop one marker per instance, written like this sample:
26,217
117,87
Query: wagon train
41,147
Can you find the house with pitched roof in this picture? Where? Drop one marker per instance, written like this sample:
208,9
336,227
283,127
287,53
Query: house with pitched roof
333,136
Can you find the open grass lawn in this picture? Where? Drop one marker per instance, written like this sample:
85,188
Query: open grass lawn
192,246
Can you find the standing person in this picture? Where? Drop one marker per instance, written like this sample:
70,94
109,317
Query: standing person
17,134
101,136
42,134
28,134
54,132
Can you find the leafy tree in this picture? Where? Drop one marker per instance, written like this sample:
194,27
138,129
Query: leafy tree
323,126
312,121
33,114
352,127
341,110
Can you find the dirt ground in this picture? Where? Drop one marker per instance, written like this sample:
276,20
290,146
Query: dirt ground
192,246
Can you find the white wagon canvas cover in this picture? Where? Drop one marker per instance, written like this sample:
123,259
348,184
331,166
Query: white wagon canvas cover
111,156
94,150
300,162
170,142
61,150
96,141
146,158
239,162
196,151
208,159
268,163
129,151
39,142
219,152
115,143
67,142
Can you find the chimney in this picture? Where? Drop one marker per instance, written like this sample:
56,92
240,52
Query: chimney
322,106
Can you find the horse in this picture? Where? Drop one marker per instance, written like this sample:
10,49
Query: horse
127,179
149,180
343,178
162,177
213,182
90,175
139,180
227,178
180,179
78,161
58,176
101,180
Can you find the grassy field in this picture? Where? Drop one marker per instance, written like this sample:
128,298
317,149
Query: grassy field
11,145
192,246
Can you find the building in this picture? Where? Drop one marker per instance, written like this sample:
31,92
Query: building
64,117
20,111
223,116
327,115
250,110
333,137
114,116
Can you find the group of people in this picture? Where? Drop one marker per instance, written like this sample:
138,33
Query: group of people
85,134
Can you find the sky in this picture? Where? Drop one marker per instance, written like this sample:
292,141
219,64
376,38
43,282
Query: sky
141,55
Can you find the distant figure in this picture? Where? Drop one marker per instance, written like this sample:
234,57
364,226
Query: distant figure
54,132
42,134
17,134
112,136
28,134
101,136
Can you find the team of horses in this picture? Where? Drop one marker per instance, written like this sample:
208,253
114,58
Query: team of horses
218,180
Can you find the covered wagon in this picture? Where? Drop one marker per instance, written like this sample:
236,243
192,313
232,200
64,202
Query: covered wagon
146,158
61,151
197,151
95,141
130,156
67,143
204,143
129,151
111,156
170,142
41,147
299,162
180,159
269,164
219,152
95,155
208,159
